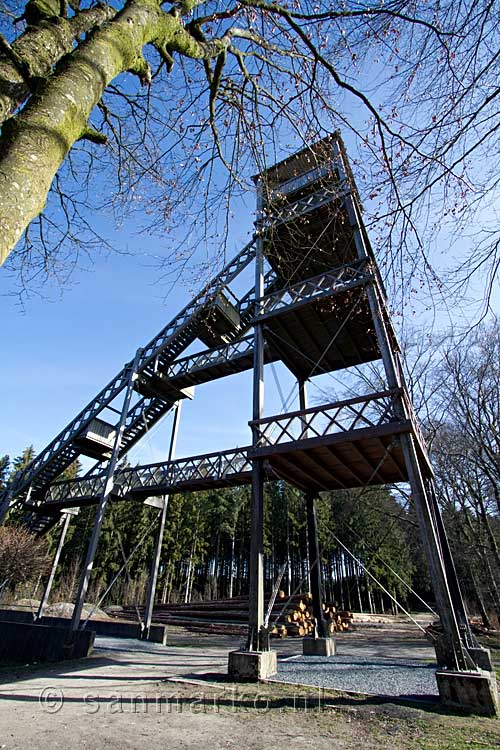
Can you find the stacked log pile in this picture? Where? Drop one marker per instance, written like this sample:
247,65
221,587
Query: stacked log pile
300,620
289,617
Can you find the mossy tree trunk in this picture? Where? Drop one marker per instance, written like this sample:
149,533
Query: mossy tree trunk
33,55
36,142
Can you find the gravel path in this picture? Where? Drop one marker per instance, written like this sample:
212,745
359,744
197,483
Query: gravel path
365,664
391,677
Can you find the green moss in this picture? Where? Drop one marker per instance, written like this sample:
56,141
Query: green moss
37,10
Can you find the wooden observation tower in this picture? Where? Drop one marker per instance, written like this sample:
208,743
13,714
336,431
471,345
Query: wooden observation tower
318,305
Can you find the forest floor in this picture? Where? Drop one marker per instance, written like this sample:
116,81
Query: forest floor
131,694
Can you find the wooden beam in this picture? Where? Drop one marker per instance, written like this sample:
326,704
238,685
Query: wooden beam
335,453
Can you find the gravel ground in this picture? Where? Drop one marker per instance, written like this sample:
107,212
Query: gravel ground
121,699
378,676
365,668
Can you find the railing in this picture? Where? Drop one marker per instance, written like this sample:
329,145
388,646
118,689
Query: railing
371,411
230,272
325,285
155,479
212,467
301,180
210,358
274,214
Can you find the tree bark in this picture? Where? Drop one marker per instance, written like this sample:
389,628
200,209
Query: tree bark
37,141
38,50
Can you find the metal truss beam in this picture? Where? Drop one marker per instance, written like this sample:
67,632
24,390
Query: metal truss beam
327,284
167,344
185,474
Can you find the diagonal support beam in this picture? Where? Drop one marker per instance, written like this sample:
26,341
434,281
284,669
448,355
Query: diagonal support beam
155,563
108,487
55,563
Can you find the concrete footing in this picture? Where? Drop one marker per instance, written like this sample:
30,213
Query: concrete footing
482,657
319,646
475,692
111,627
252,665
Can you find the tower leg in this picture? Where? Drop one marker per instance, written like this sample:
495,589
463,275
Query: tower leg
453,654
257,661
155,564
55,563
257,639
315,577
315,566
99,517
321,644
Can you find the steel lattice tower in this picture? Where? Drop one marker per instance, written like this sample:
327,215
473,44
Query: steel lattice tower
318,305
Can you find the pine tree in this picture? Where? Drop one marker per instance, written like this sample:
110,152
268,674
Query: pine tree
4,471
21,461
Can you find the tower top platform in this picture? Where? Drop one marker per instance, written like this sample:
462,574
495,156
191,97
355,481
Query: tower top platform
312,161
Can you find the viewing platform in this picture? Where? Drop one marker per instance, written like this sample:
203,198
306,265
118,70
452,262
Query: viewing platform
345,444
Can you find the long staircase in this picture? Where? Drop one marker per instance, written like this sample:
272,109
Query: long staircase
201,318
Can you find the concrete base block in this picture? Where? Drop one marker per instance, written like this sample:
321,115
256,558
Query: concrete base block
444,651
482,657
318,646
113,628
252,665
23,643
475,692
156,634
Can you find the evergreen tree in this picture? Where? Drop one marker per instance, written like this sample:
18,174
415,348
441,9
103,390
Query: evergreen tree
21,461
4,472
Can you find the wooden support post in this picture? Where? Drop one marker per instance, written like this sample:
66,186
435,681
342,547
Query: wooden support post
155,563
257,640
103,501
315,566
55,562
315,577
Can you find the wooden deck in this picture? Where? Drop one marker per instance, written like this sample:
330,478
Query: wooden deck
371,456
315,338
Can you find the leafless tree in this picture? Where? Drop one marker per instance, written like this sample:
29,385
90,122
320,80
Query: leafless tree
23,557
466,454
167,108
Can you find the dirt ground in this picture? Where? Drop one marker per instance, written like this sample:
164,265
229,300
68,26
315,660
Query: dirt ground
130,694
